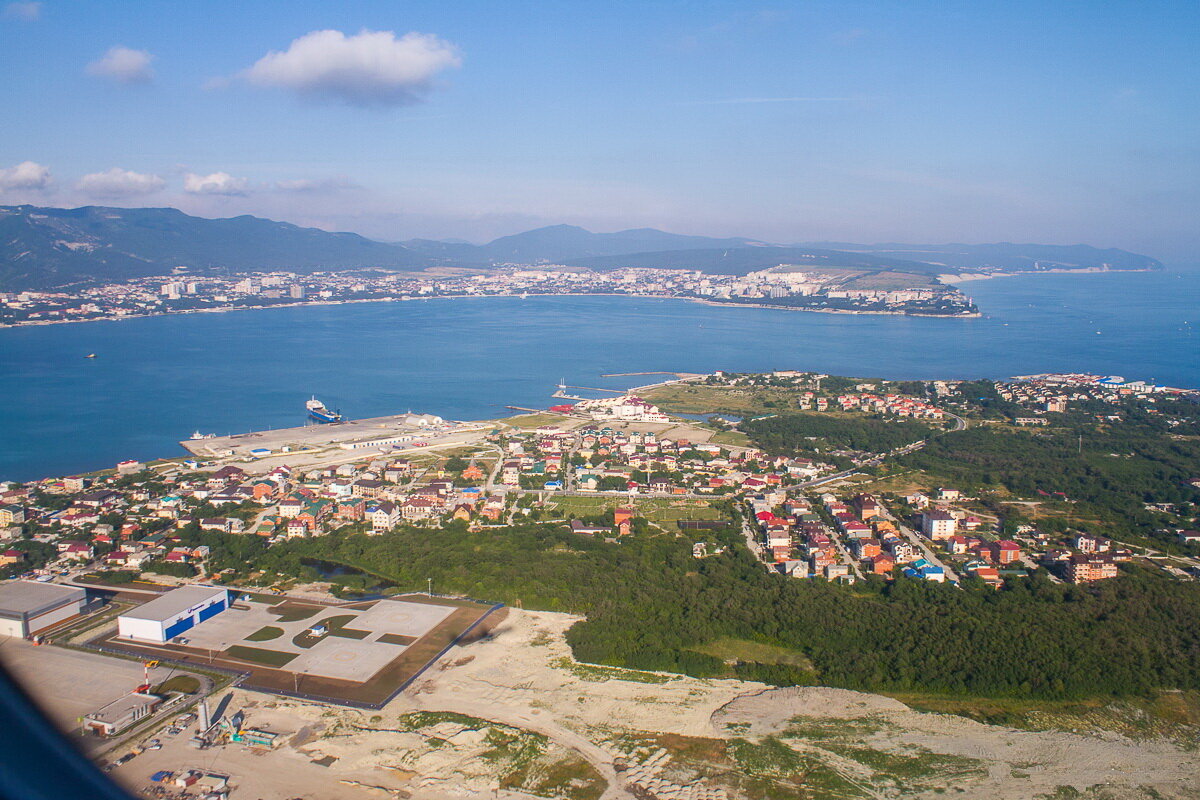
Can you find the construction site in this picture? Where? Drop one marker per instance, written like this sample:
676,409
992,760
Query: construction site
357,653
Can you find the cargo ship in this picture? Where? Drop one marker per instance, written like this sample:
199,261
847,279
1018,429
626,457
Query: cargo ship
318,411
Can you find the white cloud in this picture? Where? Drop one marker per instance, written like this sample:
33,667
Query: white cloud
26,12
123,65
369,68
26,175
215,183
315,185
118,182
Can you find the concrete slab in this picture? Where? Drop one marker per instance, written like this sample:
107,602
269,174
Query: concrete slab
346,659
321,436
232,626
68,683
401,617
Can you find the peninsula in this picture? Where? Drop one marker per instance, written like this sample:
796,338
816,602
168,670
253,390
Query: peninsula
59,265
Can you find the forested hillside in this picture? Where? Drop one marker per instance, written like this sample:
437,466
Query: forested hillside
649,604
53,247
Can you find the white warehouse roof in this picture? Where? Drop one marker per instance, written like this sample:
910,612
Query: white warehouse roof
24,599
174,602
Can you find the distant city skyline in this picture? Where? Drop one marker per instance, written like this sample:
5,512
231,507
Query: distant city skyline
789,122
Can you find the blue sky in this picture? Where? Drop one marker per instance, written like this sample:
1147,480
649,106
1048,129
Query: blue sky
1053,122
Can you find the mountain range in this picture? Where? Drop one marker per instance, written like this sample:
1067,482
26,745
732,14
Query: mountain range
47,248
560,243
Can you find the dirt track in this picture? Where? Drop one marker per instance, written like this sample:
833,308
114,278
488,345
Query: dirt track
677,738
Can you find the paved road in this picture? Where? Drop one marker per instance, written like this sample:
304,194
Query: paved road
752,539
69,683
921,544
847,558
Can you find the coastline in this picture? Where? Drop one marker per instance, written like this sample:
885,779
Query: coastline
955,278
42,365
701,300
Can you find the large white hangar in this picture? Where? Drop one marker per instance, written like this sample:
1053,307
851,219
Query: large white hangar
176,611
27,607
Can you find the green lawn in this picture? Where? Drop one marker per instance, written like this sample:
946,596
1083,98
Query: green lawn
335,625
656,510
256,655
583,506
337,621
187,684
664,510
396,638
290,612
350,633
736,438
265,634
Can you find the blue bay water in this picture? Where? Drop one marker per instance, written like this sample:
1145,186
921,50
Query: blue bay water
156,380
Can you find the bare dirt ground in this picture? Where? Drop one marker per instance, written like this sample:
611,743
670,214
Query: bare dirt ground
512,716
1009,763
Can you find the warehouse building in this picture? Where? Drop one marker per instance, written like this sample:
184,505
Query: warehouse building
121,713
28,607
169,615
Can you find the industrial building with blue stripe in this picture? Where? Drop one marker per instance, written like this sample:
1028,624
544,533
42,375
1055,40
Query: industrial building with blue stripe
172,614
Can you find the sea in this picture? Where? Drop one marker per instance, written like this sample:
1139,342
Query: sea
156,380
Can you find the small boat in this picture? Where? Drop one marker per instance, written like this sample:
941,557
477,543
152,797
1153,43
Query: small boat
90,355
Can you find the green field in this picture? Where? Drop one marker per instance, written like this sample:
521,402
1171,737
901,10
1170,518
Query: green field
396,638
187,684
582,506
735,438
538,420
256,655
661,510
748,401
350,633
289,612
265,634
665,510
335,626
730,650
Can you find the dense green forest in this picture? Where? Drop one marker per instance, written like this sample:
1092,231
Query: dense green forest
648,603
1107,472
787,434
